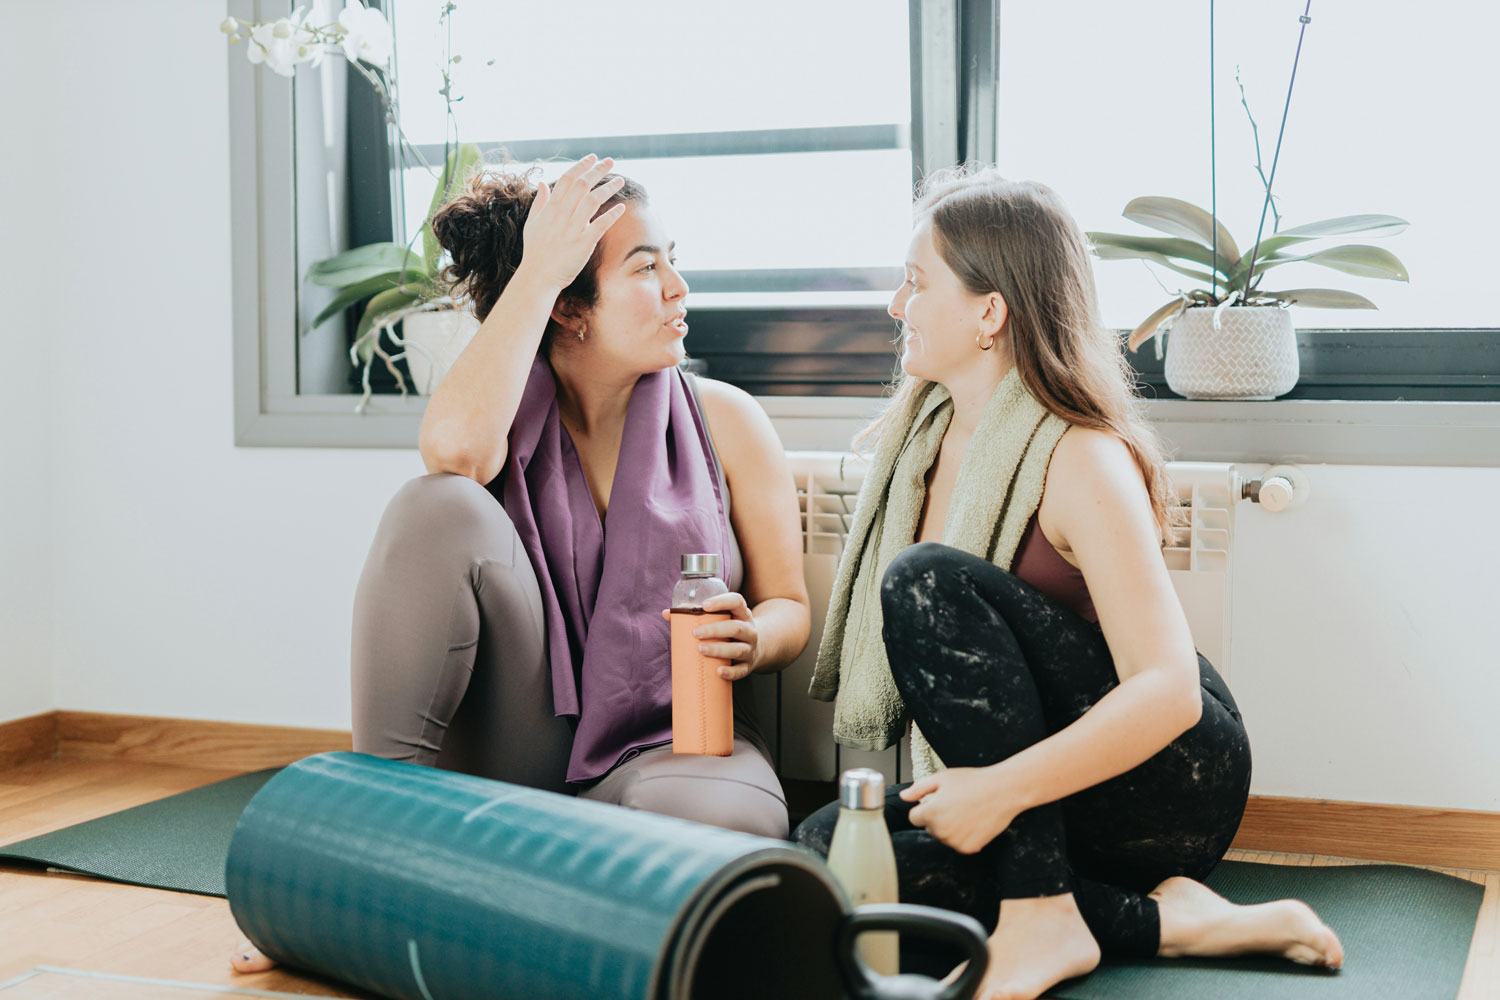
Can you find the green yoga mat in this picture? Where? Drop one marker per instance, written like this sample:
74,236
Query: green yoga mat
1406,931
179,842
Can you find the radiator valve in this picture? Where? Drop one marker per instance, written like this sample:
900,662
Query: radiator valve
1279,488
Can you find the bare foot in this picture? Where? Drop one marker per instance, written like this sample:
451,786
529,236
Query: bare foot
249,959
1195,920
1036,945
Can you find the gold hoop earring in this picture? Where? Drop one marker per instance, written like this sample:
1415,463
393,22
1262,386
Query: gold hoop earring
984,346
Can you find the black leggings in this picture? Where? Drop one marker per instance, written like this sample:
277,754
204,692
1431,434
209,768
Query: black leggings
989,665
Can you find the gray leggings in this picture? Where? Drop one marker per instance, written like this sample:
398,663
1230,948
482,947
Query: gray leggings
450,669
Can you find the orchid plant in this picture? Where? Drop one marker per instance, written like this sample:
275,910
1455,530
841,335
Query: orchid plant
396,280
1197,245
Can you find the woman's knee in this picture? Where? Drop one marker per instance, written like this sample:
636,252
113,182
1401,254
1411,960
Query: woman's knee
732,805
916,574
816,832
443,496
446,514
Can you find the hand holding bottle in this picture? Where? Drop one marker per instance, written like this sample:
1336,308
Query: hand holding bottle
736,640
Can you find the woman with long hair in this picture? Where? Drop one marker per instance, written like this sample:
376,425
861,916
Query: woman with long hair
1079,767
510,619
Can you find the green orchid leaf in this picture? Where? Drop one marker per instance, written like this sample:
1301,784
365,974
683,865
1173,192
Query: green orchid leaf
363,290
1148,326
1321,298
461,162
387,301
1268,248
1364,261
363,263
1166,247
1105,252
1263,262
1370,225
1181,218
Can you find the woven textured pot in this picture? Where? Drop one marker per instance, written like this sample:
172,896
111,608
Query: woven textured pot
1253,355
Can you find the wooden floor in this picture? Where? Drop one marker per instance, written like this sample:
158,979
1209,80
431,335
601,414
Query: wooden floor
105,941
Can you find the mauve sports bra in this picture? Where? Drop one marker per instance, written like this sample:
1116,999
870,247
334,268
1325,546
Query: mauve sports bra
1042,566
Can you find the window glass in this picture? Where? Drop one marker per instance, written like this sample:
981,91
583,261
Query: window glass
1116,106
681,68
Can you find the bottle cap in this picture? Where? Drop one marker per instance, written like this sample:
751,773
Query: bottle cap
862,788
701,562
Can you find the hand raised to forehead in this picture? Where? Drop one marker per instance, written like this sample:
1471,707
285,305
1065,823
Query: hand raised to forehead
561,232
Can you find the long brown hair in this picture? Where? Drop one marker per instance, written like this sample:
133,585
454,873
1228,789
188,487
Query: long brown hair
1018,239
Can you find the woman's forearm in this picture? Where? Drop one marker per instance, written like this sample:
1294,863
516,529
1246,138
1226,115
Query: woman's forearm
782,626
1124,729
469,415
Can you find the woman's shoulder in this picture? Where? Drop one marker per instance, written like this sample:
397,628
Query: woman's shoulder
1082,447
1088,467
729,409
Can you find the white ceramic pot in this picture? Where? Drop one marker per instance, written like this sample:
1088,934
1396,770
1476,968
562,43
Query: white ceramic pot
434,340
1253,355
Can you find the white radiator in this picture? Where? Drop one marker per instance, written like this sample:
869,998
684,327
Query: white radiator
799,729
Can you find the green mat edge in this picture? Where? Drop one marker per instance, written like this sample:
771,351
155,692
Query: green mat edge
8,852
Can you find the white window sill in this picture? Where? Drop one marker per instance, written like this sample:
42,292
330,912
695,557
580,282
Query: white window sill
1333,432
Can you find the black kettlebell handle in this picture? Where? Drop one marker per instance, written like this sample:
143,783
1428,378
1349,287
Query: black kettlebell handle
924,921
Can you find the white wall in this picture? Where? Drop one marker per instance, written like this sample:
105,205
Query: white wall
193,579
1366,637
185,577
26,335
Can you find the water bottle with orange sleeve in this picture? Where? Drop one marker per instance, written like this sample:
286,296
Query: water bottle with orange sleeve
702,701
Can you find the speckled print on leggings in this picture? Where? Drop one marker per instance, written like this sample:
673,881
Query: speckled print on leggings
988,666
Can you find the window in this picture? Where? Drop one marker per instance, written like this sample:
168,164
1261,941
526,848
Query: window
1378,123
775,142
780,142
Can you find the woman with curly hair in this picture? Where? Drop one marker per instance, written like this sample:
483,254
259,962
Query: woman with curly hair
510,621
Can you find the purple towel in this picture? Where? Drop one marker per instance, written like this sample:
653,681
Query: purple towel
604,591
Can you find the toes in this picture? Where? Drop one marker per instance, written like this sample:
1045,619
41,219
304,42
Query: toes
1333,949
249,959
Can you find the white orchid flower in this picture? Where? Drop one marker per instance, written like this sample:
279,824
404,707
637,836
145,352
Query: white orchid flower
309,48
283,43
367,36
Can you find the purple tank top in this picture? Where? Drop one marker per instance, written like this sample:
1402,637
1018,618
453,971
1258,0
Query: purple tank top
1042,566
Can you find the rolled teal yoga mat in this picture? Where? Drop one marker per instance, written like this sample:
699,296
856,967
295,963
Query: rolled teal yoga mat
424,884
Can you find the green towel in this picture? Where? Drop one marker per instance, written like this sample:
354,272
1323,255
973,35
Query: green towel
999,486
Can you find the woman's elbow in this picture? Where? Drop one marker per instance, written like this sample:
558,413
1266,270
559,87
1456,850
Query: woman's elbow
446,455
1191,702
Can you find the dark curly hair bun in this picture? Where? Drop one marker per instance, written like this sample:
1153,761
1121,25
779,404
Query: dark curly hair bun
482,231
